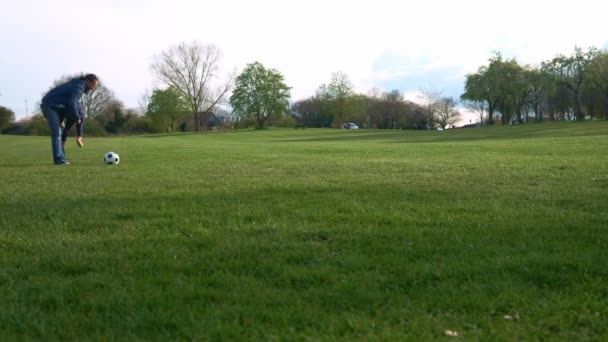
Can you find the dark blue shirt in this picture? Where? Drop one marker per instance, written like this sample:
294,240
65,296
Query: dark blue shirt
64,97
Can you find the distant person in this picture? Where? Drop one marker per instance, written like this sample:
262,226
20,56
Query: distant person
79,128
61,103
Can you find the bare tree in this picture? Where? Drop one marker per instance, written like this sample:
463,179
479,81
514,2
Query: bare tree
192,69
144,102
394,108
447,114
430,98
97,101
94,102
478,107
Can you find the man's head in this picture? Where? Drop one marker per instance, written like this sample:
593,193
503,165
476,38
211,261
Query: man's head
90,82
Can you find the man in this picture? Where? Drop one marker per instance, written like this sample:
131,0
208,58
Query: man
62,102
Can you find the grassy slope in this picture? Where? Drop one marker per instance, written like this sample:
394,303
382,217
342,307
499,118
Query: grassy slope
309,233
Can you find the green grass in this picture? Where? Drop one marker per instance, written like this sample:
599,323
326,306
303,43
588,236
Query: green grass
309,234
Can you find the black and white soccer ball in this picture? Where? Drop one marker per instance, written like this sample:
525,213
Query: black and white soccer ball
111,158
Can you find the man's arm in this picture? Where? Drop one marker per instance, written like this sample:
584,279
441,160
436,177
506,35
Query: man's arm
80,124
72,106
66,130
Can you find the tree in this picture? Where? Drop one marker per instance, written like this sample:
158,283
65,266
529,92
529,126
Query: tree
515,89
165,107
447,114
540,85
394,108
193,70
260,92
478,107
309,112
597,74
505,82
144,102
592,100
560,103
339,100
7,116
113,118
430,98
387,109
94,102
570,71
484,86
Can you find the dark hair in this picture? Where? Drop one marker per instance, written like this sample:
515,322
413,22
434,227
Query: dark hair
90,78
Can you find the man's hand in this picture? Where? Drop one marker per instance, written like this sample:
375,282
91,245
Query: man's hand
79,142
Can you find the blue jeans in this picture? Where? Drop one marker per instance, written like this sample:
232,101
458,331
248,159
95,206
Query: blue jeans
54,121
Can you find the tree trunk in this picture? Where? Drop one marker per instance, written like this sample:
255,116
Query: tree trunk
519,117
490,114
577,102
205,121
197,122
606,105
260,120
537,113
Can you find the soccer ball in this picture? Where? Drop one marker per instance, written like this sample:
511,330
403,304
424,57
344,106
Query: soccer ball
111,158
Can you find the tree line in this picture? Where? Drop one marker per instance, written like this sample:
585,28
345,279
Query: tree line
567,87
194,96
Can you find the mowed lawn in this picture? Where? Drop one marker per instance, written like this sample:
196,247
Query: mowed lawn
490,233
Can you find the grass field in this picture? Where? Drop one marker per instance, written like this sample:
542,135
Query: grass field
494,233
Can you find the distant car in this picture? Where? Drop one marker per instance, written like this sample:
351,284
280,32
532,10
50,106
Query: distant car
350,125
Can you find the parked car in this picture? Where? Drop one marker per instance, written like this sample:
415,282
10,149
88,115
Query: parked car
350,125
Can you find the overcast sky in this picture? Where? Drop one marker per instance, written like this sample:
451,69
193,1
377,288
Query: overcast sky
386,44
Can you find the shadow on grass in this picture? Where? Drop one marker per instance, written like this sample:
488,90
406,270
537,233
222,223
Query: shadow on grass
179,134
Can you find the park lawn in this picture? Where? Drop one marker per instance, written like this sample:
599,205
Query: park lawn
493,233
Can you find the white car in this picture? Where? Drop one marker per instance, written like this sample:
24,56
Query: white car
350,125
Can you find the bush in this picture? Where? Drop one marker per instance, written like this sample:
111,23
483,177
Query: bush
92,127
7,117
285,121
138,125
37,125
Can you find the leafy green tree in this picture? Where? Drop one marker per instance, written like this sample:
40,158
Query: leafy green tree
7,116
165,108
515,88
114,117
560,102
570,71
597,74
505,80
340,102
504,84
541,84
482,86
260,92
309,112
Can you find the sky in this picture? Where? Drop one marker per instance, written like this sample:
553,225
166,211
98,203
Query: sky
385,44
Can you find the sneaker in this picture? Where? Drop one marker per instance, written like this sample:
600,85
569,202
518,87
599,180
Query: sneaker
79,142
63,163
